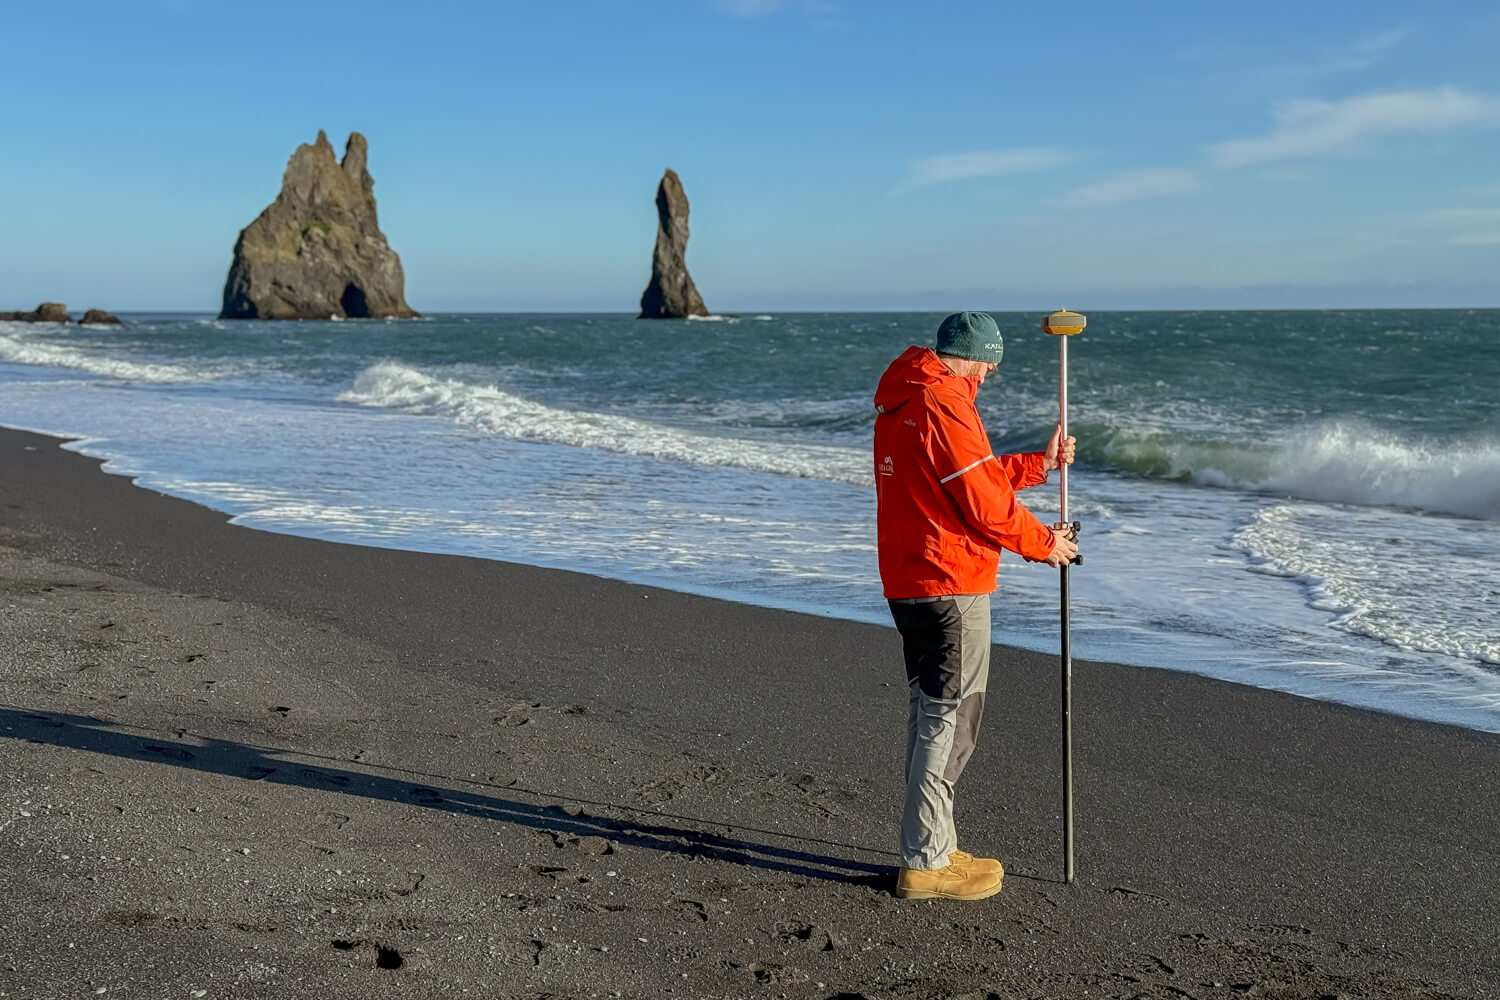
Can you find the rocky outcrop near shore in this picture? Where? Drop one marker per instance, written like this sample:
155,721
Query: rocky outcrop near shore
98,317
317,251
47,312
671,293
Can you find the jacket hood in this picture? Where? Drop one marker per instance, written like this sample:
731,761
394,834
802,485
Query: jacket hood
913,373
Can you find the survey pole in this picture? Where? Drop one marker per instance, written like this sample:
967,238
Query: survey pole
1064,324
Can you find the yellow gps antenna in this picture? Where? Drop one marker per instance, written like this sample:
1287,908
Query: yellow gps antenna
1064,324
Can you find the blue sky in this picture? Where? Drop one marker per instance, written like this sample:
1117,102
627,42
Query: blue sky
838,154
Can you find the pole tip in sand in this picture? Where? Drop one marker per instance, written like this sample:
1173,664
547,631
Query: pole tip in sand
1064,323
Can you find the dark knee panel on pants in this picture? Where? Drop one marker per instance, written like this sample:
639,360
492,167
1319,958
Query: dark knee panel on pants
931,637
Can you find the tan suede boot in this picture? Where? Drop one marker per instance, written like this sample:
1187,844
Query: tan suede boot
952,882
974,864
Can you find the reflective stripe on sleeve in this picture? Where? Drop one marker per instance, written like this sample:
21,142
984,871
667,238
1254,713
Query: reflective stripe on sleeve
966,468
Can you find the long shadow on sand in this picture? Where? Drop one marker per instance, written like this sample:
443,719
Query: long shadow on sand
239,760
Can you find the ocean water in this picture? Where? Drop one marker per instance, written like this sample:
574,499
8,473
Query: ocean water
1305,501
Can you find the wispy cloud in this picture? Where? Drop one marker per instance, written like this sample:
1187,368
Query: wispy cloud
1363,51
1347,57
984,163
1469,226
1303,130
751,9
1155,182
1466,216
1257,69
1308,128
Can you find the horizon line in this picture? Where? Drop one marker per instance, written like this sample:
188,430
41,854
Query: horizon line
803,311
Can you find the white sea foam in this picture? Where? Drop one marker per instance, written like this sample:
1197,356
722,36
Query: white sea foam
491,410
18,349
1418,584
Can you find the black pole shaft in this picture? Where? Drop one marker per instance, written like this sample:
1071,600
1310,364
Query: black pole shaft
1067,728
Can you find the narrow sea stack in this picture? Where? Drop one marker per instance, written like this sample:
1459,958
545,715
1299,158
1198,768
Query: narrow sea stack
317,251
671,293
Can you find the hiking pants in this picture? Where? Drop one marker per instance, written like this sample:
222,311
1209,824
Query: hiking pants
947,645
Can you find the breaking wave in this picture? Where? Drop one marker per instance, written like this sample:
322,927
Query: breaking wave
493,411
18,350
1334,462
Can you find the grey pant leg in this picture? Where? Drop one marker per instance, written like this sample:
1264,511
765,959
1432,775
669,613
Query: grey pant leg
947,644
976,679
913,707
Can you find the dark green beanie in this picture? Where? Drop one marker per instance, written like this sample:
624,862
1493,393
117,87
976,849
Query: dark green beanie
972,335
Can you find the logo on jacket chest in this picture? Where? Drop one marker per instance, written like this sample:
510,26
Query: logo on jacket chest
887,467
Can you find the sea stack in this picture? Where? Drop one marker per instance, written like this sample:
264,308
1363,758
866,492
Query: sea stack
671,293
47,312
317,251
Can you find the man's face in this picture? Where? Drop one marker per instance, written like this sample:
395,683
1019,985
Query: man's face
964,368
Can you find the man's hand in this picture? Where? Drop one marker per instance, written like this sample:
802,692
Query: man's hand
1062,552
1059,452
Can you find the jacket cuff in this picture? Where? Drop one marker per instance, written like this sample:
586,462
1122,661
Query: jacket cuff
1047,551
1035,469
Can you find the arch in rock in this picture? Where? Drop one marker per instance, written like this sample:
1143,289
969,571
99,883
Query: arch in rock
353,302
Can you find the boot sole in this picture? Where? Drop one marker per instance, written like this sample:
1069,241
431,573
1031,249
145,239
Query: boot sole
932,894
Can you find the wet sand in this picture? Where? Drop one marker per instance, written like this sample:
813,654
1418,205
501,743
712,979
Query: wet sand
257,765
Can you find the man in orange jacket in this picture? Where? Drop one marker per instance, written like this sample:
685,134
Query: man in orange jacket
946,507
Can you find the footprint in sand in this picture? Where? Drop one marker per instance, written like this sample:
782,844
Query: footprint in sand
559,874
691,909
772,974
519,951
1142,964
596,847
374,953
524,712
809,936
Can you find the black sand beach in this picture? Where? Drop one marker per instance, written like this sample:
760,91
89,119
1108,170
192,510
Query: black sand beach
245,764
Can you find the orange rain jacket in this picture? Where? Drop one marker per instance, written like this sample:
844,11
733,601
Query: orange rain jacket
946,503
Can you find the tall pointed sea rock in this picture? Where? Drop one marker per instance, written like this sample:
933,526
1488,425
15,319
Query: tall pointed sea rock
317,250
671,293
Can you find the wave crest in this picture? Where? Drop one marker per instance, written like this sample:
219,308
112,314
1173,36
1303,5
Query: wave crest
17,350
1334,462
390,385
